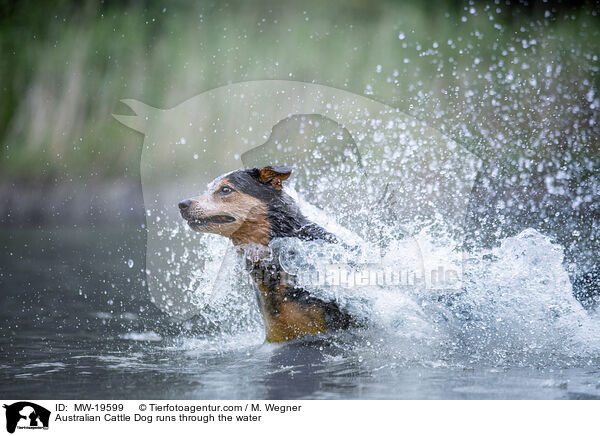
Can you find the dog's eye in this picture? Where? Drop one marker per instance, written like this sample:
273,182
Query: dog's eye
225,190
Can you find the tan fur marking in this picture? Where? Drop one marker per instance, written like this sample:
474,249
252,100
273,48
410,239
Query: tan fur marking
250,226
256,228
291,320
269,175
294,321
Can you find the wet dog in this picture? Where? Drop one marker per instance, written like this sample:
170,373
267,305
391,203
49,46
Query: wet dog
250,207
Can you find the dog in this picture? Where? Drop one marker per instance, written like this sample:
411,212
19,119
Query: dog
250,207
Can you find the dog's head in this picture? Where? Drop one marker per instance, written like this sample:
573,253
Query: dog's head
236,205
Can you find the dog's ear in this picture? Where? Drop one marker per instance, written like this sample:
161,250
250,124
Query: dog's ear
274,175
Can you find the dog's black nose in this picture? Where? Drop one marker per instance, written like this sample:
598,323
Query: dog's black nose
185,204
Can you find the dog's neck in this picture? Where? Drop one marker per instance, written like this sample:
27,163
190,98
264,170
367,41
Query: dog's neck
281,218
253,232
289,312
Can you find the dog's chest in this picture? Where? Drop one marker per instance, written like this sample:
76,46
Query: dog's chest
286,313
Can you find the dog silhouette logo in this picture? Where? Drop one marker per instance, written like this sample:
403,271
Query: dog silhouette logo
354,157
26,415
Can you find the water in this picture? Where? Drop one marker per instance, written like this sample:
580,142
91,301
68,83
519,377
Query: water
488,307
77,322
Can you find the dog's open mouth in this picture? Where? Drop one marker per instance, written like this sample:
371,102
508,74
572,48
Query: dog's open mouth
215,219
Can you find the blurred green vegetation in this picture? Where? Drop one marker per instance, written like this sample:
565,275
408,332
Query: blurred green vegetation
504,80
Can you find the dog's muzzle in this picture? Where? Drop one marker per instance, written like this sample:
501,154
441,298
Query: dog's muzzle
195,219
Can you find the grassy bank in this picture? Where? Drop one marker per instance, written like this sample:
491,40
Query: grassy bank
507,81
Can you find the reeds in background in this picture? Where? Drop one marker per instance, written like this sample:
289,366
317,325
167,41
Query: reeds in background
505,80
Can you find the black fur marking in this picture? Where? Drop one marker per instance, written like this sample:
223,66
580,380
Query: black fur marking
283,214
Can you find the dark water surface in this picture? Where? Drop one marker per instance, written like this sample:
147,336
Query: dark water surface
76,322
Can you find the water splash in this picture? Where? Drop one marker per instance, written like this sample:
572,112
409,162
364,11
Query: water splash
509,305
